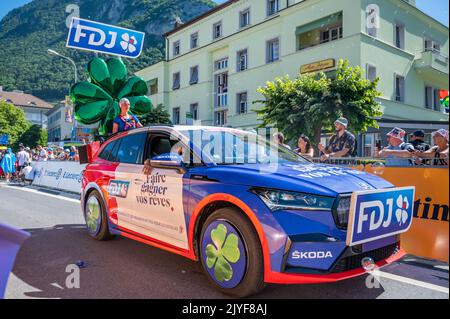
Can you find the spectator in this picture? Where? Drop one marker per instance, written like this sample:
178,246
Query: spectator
23,157
398,153
439,152
417,140
125,121
42,155
8,164
304,147
342,144
278,139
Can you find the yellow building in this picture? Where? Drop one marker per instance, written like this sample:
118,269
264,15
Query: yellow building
215,63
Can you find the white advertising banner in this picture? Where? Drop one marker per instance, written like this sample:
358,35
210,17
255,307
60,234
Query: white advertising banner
65,176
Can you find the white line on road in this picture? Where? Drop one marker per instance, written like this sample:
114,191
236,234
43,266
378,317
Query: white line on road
410,281
35,191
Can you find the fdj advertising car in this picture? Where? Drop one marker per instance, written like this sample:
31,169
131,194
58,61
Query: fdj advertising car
250,212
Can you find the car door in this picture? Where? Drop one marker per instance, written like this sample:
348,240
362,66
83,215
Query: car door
158,197
128,156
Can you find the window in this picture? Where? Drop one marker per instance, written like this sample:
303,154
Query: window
331,34
176,48
244,18
176,116
273,50
107,151
431,45
272,7
242,58
153,86
160,145
221,85
194,111
399,36
221,64
176,81
194,75
323,30
371,28
194,40
241,103
131,150
399,88
217,30
432,99
220,118
428,97
371,72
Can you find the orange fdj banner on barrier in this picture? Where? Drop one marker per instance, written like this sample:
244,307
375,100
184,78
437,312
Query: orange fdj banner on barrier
429,233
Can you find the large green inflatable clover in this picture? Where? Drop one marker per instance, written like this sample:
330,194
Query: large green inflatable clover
98,100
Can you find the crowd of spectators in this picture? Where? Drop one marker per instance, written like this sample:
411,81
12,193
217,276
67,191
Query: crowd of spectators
13,164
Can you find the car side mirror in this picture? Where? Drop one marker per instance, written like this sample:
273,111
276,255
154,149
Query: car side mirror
169,161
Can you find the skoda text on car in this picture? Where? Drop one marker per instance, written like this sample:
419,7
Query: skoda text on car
249,212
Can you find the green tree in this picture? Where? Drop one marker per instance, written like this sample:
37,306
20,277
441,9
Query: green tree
35,135
12,121
157,115
312,102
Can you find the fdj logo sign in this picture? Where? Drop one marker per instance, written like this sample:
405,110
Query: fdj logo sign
103,38
379,214
118,188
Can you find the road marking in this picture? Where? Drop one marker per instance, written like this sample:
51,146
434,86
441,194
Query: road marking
410,281
35,191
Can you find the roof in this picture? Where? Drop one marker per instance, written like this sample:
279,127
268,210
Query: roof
24,100
200,17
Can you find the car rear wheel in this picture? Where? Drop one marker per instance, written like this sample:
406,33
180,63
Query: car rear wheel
95,217
231,254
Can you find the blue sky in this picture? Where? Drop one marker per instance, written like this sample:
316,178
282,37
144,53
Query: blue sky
438,9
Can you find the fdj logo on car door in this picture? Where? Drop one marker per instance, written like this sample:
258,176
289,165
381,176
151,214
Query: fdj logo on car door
379,214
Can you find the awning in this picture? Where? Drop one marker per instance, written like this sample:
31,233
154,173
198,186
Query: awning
321,23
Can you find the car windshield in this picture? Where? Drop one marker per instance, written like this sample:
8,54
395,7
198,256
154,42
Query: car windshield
231,146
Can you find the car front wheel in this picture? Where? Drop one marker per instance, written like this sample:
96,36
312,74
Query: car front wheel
231,254
95,217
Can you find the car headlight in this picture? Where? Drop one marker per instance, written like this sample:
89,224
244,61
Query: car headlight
282,200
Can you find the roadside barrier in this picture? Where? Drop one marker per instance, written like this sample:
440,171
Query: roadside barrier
429,233
60,175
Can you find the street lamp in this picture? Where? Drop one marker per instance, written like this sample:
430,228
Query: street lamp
53,52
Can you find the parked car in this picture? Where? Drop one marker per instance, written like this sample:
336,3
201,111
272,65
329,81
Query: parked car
250,212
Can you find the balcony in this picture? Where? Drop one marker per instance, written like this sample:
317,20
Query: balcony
433,65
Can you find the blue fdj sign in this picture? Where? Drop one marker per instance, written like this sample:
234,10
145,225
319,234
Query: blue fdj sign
103,38
379,214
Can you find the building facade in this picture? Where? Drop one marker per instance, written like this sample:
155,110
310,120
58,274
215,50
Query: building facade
215,63
35,109
58,128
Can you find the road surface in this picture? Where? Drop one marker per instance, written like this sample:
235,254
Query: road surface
122,268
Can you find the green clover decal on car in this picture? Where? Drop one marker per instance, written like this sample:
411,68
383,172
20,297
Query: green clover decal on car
93,214
224,251
97,100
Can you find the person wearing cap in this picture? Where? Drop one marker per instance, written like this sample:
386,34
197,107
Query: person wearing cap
125,121
398,153
439,152
342,144
416,139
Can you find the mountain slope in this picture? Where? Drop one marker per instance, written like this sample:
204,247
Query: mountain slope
27,32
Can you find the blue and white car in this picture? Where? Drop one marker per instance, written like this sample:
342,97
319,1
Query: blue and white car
250,212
